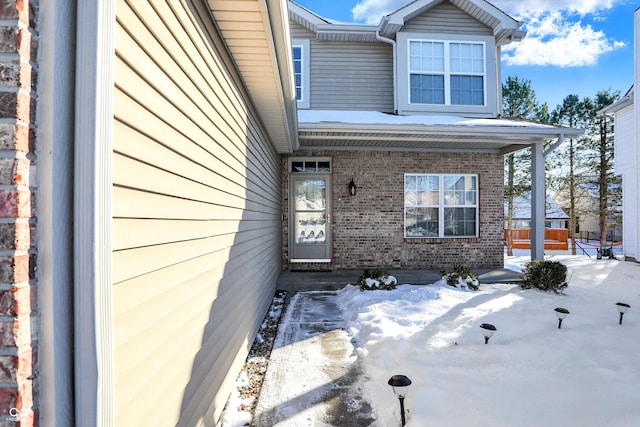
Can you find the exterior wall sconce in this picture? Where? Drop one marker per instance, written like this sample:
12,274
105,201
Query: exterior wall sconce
487,331
622,308
561,313
400,384
352,188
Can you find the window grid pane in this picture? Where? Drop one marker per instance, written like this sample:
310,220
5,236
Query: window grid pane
426,215
297,66
427,89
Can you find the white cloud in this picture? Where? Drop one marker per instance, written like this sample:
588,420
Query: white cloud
371,11
556,32
554,40
581,7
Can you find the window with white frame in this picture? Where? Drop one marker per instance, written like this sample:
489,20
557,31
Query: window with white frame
301,70
443,205
447,72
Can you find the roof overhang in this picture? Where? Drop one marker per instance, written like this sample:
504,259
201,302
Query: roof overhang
359,130
257,35
619,105
504,27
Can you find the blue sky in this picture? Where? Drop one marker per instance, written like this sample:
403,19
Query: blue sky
572,46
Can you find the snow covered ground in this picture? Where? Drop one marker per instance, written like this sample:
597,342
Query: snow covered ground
529,374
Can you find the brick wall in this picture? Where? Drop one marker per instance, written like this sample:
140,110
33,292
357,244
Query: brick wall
368,229
18,302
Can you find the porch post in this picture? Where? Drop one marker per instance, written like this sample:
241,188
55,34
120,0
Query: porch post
538,202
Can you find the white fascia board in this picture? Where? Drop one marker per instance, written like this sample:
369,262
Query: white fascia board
305,17
617,106
279,30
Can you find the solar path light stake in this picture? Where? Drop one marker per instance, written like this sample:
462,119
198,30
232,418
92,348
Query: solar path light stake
622,308
561,313
400,384
487,331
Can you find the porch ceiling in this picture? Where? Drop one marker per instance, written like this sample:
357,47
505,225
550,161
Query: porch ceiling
256,33
479,135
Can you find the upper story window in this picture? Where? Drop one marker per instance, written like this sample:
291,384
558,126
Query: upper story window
440,205
297,70
447,72
301,69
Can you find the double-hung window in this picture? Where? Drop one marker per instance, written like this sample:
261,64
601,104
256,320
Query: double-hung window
447,72
440,205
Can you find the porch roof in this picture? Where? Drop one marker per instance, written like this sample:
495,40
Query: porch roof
367,130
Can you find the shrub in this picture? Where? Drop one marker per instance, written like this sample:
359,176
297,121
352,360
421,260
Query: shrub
462,277
544,275
374,279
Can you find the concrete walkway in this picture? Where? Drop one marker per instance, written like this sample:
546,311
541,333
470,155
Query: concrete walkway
312,373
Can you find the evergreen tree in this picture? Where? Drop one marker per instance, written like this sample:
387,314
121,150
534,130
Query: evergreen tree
570,114
599,158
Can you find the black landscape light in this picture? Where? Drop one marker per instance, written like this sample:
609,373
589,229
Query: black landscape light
400,384
622,308
561,313
487,331
352,188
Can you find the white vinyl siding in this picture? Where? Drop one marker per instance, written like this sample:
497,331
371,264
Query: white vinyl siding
627,166
446,18
347,75
440,205
351,76
196,218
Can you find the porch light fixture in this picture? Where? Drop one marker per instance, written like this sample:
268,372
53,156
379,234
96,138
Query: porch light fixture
400,384
622,308
352,188
487,331
561,313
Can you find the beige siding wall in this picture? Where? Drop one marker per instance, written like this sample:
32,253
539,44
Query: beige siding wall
446,19
349,76
197,219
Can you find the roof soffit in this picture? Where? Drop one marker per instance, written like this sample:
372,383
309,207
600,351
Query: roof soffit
498,139
262,54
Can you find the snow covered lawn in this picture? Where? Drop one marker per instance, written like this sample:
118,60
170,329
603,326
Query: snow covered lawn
529,374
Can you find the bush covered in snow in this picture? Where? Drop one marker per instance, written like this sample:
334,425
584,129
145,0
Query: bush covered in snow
544,275
373,279
461,277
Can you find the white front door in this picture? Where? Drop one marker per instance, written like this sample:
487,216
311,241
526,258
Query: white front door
309,226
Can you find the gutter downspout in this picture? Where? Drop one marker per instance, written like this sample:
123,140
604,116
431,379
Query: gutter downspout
395,67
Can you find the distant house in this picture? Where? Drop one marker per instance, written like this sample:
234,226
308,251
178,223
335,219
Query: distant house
189,151
555,217
587,204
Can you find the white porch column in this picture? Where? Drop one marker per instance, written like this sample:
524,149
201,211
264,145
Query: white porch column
538,201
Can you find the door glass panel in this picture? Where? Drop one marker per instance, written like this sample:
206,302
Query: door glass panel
310,216
310,227
310,195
